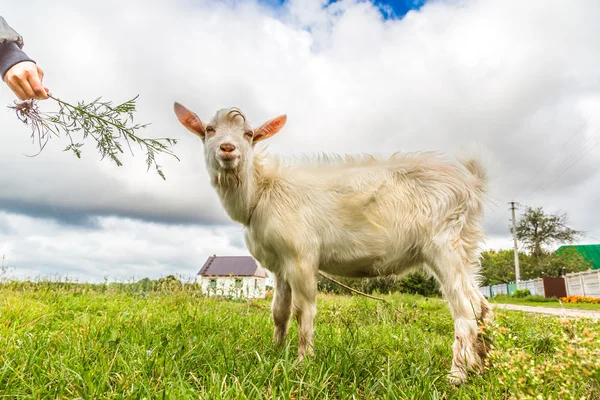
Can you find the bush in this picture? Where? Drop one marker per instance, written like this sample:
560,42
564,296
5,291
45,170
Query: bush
415,283
521,293
540,299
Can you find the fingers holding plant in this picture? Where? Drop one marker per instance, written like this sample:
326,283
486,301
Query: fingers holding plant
25,80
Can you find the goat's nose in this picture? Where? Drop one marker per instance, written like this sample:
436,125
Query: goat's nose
227,147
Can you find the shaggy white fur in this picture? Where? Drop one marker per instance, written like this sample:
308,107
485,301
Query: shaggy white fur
354,216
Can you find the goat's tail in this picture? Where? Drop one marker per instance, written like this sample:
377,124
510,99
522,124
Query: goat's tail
476,166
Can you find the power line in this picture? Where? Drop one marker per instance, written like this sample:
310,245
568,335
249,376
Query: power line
572,164
556,154
552,177
569,163
591,237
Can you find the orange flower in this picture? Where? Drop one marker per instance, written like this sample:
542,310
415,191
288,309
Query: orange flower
580,299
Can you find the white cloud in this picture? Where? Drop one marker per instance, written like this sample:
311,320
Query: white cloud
518,77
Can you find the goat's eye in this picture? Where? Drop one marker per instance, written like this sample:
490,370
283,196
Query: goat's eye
210,129
249,134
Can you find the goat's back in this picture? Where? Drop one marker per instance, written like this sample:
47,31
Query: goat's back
362,215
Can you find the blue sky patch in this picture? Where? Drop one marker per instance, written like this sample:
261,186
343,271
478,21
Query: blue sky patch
394,9
390,9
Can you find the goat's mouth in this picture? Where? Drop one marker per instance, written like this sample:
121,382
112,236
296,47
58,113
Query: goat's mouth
228,160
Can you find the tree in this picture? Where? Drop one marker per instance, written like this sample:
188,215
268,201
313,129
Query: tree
498,266
554,264
537,230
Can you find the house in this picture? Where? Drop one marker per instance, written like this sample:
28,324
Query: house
233,276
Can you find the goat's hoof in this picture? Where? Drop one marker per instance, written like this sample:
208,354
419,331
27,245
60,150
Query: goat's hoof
457,377
279,339
304,356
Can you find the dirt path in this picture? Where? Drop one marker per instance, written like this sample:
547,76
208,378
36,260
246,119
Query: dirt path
561,312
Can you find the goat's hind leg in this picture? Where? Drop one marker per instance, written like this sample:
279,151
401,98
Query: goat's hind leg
281,309
467,307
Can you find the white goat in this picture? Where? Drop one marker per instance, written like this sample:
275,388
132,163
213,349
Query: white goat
354,217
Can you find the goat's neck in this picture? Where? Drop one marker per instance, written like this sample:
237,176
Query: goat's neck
238,195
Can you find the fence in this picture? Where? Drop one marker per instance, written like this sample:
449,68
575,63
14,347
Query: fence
585,283
499,289
535,286
485,290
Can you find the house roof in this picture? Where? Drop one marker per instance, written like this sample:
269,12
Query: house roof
590,252
232,265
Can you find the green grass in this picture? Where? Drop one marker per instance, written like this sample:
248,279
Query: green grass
81,343
550,303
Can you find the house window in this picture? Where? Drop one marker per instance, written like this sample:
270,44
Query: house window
238,282
213,283
255,283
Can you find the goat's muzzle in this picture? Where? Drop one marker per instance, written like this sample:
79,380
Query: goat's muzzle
223,156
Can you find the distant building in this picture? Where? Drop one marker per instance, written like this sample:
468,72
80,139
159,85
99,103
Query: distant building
590,252
235,276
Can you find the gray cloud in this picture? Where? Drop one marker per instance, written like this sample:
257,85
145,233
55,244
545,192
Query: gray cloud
116,248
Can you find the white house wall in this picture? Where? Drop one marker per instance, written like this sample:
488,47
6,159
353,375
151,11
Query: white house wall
226,287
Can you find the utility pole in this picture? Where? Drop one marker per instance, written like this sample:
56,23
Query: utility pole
514,232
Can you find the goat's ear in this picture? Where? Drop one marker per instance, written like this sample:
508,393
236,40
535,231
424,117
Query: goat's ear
190,120
269,128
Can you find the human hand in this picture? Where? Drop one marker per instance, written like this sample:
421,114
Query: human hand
25,80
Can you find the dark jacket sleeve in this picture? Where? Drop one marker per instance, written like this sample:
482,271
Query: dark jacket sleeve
11,45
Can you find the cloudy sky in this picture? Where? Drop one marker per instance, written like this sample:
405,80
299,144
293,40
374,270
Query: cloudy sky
521,79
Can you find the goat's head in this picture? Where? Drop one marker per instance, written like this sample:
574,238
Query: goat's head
228,138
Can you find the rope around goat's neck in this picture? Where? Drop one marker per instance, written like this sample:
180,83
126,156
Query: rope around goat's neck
350,289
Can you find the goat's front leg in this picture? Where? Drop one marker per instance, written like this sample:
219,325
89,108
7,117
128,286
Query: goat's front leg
304,291
281,309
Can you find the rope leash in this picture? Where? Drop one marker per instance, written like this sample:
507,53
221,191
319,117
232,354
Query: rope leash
350,289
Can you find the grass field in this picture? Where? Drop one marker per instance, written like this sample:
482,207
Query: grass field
74,342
